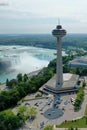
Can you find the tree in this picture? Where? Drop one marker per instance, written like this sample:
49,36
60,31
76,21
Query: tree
32,111
19,77
7,82
84,84
22,113
25,78
8,120
12,83
71,128
79,99
25,112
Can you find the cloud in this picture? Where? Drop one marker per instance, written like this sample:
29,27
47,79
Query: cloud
4,3
42,15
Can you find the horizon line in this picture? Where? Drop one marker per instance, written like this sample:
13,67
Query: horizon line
35,33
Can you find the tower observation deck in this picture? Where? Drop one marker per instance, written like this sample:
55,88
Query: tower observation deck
59,33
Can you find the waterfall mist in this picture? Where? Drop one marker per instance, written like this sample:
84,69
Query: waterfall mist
22,59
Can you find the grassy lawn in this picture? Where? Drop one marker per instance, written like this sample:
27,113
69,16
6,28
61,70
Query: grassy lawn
48,128
80,123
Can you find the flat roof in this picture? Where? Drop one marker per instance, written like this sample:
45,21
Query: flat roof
70,81
67,76
79,62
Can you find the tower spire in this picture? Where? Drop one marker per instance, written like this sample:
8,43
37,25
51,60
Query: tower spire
58,21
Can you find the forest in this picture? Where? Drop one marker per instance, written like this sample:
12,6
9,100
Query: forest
45,40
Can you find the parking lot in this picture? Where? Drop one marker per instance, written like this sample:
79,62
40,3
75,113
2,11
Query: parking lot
51,110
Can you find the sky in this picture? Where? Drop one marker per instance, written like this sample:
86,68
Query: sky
41,16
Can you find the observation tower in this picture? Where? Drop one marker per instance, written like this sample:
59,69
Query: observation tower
59,32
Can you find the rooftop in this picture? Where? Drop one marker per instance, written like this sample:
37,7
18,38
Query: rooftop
70,82
79,62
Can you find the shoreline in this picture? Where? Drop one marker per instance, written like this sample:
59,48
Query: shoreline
3,85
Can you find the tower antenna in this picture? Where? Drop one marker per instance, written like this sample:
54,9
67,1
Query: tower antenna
58,21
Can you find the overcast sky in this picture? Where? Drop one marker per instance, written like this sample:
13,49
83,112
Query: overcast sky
41,16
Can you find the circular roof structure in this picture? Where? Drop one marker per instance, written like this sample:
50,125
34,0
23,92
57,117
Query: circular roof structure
53,113
59,31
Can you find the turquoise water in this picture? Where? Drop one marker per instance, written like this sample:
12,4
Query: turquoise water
23,59
3,77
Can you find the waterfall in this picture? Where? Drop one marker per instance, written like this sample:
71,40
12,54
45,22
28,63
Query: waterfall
8,63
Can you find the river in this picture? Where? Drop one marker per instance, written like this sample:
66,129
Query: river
23,59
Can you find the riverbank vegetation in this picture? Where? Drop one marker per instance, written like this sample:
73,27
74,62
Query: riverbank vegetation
20,88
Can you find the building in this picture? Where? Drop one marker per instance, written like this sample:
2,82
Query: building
60,83
59,33
70,84
80,62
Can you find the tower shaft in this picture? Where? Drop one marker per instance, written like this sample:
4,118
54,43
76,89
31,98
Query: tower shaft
59,33
59,68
